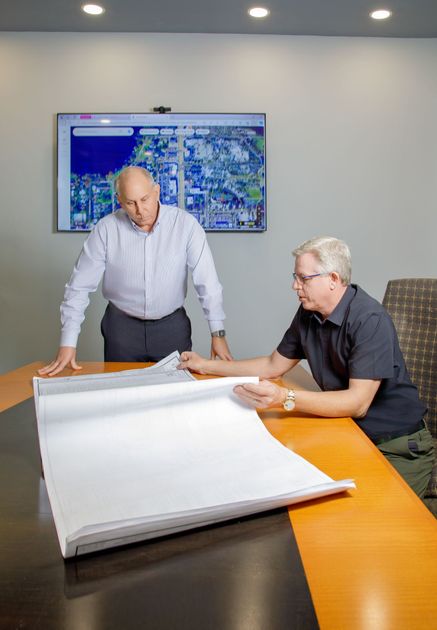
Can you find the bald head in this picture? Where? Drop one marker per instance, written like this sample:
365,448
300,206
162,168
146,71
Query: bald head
132,172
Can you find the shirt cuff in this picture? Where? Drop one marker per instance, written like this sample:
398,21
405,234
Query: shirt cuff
69,338
215,325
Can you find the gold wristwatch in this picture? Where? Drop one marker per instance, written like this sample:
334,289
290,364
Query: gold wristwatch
289,402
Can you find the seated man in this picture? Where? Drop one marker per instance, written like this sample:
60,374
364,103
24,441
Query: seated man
353,351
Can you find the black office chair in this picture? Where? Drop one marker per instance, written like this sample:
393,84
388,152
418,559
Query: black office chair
412,304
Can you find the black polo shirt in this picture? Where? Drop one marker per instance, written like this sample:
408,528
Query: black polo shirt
358,340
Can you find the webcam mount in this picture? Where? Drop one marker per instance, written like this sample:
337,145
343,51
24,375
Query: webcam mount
161,109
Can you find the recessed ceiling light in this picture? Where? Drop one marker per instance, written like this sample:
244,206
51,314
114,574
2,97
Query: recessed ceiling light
93,9
380,14
258,12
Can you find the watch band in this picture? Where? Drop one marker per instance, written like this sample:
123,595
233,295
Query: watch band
218,333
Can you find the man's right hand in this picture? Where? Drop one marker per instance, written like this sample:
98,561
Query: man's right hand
193,362
66,358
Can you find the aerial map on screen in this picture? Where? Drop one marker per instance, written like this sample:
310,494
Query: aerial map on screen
212,165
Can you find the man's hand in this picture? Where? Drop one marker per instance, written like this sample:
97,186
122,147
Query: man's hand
261,395
220,349
66,358
193,362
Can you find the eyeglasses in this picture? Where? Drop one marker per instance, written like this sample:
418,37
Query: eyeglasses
303,279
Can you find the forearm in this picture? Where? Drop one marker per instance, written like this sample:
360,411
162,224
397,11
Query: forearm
259,366
351,402
265,367
335,404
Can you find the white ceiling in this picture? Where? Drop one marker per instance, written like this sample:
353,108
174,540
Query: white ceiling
411,18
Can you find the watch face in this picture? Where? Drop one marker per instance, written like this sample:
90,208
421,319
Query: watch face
289,405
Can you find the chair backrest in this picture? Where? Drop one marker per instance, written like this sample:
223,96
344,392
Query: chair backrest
412,304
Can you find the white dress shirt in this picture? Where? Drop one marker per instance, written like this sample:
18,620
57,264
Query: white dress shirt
144,273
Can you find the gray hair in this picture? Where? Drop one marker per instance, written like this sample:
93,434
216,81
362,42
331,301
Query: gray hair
129,169
331,253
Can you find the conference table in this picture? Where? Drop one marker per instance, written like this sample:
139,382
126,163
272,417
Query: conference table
364,559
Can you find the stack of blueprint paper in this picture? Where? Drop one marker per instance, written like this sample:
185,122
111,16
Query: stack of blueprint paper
149,452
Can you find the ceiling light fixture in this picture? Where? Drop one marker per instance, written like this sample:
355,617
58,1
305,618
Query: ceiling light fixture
93,9
380,14
258,12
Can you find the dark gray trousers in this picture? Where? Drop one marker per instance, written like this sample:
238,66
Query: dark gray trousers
130,339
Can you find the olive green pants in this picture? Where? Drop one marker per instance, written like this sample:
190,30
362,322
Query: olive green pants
413,457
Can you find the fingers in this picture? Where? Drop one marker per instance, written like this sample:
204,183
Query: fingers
66,357
185,358
224,356
256,395
53,368
56,370
256,389
188,361
47,368
213,354
220,349
249,399
183,366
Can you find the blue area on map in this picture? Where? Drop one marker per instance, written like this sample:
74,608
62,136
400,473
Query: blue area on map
100,154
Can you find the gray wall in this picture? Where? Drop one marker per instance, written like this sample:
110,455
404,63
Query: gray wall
351,150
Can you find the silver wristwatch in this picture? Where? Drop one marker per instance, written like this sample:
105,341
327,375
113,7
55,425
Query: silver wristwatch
218,333
289,402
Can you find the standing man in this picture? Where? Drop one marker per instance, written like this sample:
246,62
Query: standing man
143,252
353,351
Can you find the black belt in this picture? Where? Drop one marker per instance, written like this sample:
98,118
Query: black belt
160,319
386,437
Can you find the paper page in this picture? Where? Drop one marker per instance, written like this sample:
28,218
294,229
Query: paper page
160,458
163,372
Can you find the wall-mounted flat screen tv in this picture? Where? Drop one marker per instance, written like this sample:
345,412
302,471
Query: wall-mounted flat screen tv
212,165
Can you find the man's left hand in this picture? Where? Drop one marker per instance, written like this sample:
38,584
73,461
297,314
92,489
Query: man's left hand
220,349
261,395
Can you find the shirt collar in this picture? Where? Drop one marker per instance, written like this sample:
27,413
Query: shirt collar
338,314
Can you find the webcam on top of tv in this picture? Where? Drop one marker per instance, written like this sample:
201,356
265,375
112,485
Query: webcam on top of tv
161,109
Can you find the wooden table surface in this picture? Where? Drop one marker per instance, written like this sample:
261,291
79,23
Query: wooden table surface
370,555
